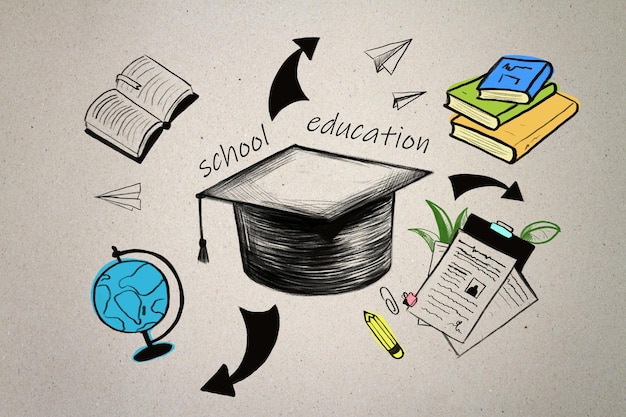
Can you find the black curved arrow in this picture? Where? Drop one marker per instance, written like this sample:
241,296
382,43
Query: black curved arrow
462,183
286,87
262,328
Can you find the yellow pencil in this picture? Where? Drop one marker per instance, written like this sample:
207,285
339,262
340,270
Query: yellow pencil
383,334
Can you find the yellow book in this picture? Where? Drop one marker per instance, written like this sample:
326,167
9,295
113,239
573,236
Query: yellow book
518,136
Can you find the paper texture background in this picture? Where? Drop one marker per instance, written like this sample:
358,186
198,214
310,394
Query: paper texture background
561,357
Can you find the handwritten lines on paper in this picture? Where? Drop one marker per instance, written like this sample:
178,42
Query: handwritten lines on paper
455,274
456,294
470,254
513,293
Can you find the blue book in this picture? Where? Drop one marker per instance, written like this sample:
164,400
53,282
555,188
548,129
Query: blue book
515,78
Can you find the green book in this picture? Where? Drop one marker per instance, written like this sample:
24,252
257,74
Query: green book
463,98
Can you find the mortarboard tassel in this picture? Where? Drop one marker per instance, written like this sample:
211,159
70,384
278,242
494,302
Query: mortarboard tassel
203,255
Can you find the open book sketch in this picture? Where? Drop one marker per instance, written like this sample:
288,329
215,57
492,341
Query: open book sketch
388,56
125,197
462,285
146,98
401,99
514,296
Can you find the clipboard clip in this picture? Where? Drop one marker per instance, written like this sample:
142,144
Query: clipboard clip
502,229
499,236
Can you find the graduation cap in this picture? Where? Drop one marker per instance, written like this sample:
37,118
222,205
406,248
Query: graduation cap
313,222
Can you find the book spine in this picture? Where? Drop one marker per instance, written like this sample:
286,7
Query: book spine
539,80
542,132
520,109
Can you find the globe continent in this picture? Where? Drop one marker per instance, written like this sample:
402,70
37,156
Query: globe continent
130,295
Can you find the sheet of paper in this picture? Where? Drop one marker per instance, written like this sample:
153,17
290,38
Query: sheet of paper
514,296
438,250
456,294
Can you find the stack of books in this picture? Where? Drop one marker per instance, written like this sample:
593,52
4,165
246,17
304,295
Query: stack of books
510,109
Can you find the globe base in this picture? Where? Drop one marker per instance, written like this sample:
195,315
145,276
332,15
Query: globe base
152,351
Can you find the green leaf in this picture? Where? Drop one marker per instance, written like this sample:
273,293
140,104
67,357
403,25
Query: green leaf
540,232
444,224
460,221
428,236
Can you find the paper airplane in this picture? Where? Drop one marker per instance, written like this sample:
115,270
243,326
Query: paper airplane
389,55
125,197
402,99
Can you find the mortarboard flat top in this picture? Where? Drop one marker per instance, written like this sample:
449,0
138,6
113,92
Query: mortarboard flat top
313,183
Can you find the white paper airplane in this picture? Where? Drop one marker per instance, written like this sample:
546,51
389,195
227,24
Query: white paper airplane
125,197
402,99
388,56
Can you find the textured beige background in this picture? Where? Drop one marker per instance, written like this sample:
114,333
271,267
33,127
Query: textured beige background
562,357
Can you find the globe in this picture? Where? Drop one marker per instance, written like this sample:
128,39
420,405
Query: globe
130,295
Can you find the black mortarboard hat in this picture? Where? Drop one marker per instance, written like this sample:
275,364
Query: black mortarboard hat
313,222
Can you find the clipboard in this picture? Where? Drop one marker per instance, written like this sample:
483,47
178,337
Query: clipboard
500,236
469,275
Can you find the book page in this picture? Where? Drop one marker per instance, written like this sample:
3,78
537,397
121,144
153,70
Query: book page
514,296
456,294
153,87
115,118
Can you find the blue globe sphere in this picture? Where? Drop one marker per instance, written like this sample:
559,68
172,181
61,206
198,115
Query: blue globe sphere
130,295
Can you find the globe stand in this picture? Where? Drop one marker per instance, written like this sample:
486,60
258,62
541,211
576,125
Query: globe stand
152,350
